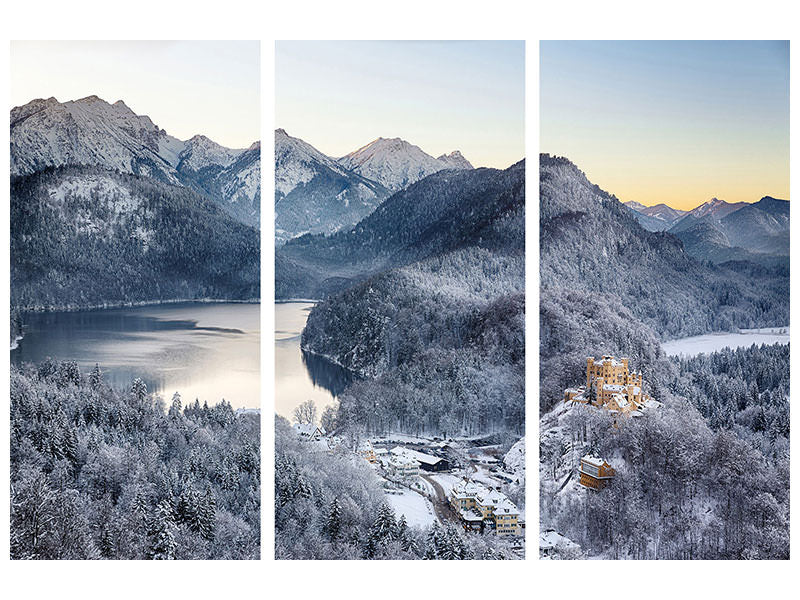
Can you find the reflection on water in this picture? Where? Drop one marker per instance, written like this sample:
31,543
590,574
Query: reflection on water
299,375
203,351
324,373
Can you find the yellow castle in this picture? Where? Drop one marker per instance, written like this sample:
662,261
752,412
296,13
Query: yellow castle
609,384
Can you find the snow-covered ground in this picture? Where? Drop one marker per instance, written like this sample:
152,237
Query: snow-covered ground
446,480
713,342
417,509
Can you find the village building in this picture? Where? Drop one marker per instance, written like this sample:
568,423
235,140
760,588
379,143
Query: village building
402,468
367,452
427,462
551,543
611,385
479,506
309,431
595,472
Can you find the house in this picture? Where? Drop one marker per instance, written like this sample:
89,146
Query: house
595,472
479,506
402,468
427,462
309,431
367,452
611,385
551,542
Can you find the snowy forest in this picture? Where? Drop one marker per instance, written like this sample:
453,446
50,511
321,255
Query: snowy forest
330,506
102,474
85,237
438,343
704,476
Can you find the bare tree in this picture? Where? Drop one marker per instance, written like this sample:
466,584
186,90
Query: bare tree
306,413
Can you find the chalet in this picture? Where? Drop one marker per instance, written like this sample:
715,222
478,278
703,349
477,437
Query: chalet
427,462
551,542
367,452
595,472
309,431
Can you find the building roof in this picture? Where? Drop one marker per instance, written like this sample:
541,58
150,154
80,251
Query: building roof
308,429
401,460
427,459
550,539
593,460
613,387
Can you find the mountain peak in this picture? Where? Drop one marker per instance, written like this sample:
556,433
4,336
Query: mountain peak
396,163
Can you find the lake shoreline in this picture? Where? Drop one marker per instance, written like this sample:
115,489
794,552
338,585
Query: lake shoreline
71,308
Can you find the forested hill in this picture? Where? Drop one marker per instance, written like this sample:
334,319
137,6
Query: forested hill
85,236
440,341
610,286
443,212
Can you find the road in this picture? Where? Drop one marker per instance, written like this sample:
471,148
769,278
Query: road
440,504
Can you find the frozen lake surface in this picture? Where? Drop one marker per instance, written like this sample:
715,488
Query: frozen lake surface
713,342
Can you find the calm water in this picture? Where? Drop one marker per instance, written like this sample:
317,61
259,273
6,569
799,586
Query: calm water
204,351
300,375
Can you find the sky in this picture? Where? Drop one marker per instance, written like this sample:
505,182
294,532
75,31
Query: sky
185,87
440,96
671,122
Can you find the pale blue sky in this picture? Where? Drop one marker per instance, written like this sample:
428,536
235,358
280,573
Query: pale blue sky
441,96
185,87
674,122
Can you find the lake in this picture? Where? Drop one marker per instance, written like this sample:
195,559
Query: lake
714,342
299,375
207,351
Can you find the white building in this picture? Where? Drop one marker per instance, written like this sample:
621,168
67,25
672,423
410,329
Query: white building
402,468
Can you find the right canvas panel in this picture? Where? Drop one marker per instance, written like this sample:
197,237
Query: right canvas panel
664,310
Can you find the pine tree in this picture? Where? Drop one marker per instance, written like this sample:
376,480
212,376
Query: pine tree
333,524
175,407
96,376
208,514
139,390
162,533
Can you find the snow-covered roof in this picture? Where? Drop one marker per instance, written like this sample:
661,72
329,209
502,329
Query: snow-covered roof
401,460
593,460
550,539
613,387
420,456
308,429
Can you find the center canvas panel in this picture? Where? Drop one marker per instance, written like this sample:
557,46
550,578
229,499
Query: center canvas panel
400,300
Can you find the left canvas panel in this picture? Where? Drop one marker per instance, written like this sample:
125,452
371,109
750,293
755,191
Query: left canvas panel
135,300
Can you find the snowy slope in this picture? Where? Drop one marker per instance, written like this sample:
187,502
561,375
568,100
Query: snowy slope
396,164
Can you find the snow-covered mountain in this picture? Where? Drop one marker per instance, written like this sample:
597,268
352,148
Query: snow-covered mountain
396,164
655,218
712,211
455,160
316,194
92,132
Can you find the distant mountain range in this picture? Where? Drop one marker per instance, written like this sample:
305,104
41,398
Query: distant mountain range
316,193
92,132
721,231
440,213
107,208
